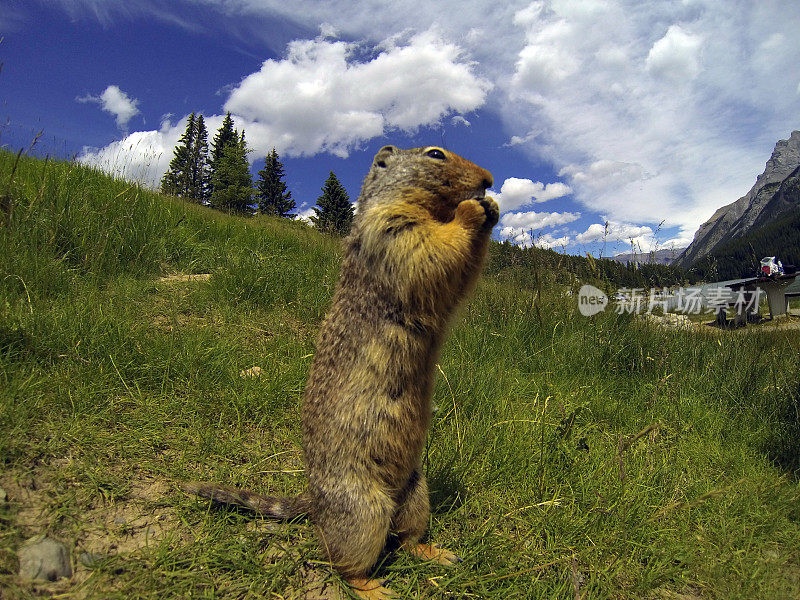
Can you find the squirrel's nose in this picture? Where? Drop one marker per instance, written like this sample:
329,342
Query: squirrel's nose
488,180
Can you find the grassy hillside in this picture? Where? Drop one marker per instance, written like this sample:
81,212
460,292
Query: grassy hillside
569,457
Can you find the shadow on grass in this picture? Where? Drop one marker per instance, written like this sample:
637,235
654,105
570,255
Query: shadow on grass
16,343
447,490
783,446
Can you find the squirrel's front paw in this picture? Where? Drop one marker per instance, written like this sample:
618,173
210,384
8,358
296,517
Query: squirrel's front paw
482,213
492,212
470,214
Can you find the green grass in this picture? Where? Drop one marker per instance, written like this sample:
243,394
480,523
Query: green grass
569,457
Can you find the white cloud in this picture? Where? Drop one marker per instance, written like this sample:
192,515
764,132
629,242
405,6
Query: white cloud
677,242
306,214
660,111
517,140
116,102
537,220
540,66
516,192
666,110
459,120
143,156
521,228
526,240
638,238
547,240
605,175
675,56
611,230
320,98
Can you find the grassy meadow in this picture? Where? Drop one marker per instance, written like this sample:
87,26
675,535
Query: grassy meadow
570,457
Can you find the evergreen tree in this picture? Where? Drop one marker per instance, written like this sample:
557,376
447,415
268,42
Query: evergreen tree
272,195
225,136
200,169
188,173
335,212
232,183
177,179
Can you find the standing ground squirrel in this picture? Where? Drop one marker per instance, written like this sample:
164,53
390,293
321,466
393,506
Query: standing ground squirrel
417,245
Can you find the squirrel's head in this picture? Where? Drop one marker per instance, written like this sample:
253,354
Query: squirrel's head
439,178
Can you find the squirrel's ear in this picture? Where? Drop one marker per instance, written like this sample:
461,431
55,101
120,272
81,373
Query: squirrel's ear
382,155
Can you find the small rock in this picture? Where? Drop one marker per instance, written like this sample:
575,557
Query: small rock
90,559
43,558
251,372
3,496
120,521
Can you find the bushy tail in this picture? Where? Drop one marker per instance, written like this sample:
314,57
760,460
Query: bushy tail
277,507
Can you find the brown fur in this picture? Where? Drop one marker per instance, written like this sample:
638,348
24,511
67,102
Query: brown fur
417,245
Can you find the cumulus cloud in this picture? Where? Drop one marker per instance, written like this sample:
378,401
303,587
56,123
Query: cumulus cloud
545,60
675,56
320,98
541,240
305,214
143,156
605,175
654,114
549,241
116,102
537,220
516,192
627,237
612,231
521,228
657,110
675,243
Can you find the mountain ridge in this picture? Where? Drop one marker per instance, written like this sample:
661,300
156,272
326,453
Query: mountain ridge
765,202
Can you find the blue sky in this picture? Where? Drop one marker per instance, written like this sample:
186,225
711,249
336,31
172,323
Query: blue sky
603,121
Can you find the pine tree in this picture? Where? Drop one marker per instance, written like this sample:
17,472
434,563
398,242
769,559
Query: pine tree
188,175
231,181
225,136
272,195
200,168
335,212
177,179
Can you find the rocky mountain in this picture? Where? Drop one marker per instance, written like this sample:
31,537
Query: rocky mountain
741,257
769,199
665,256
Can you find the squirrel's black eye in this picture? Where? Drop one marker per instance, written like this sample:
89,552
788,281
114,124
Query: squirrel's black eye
436,153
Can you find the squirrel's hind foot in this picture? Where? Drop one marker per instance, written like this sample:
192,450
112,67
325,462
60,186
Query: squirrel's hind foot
370,589
434,553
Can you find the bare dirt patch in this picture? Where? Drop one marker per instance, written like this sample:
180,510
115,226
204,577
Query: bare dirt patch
182,278
122,527
90,523
310,580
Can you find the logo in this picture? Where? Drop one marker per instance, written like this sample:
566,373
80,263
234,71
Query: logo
591,300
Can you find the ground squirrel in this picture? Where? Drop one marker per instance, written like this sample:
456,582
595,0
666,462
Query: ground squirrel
417,244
